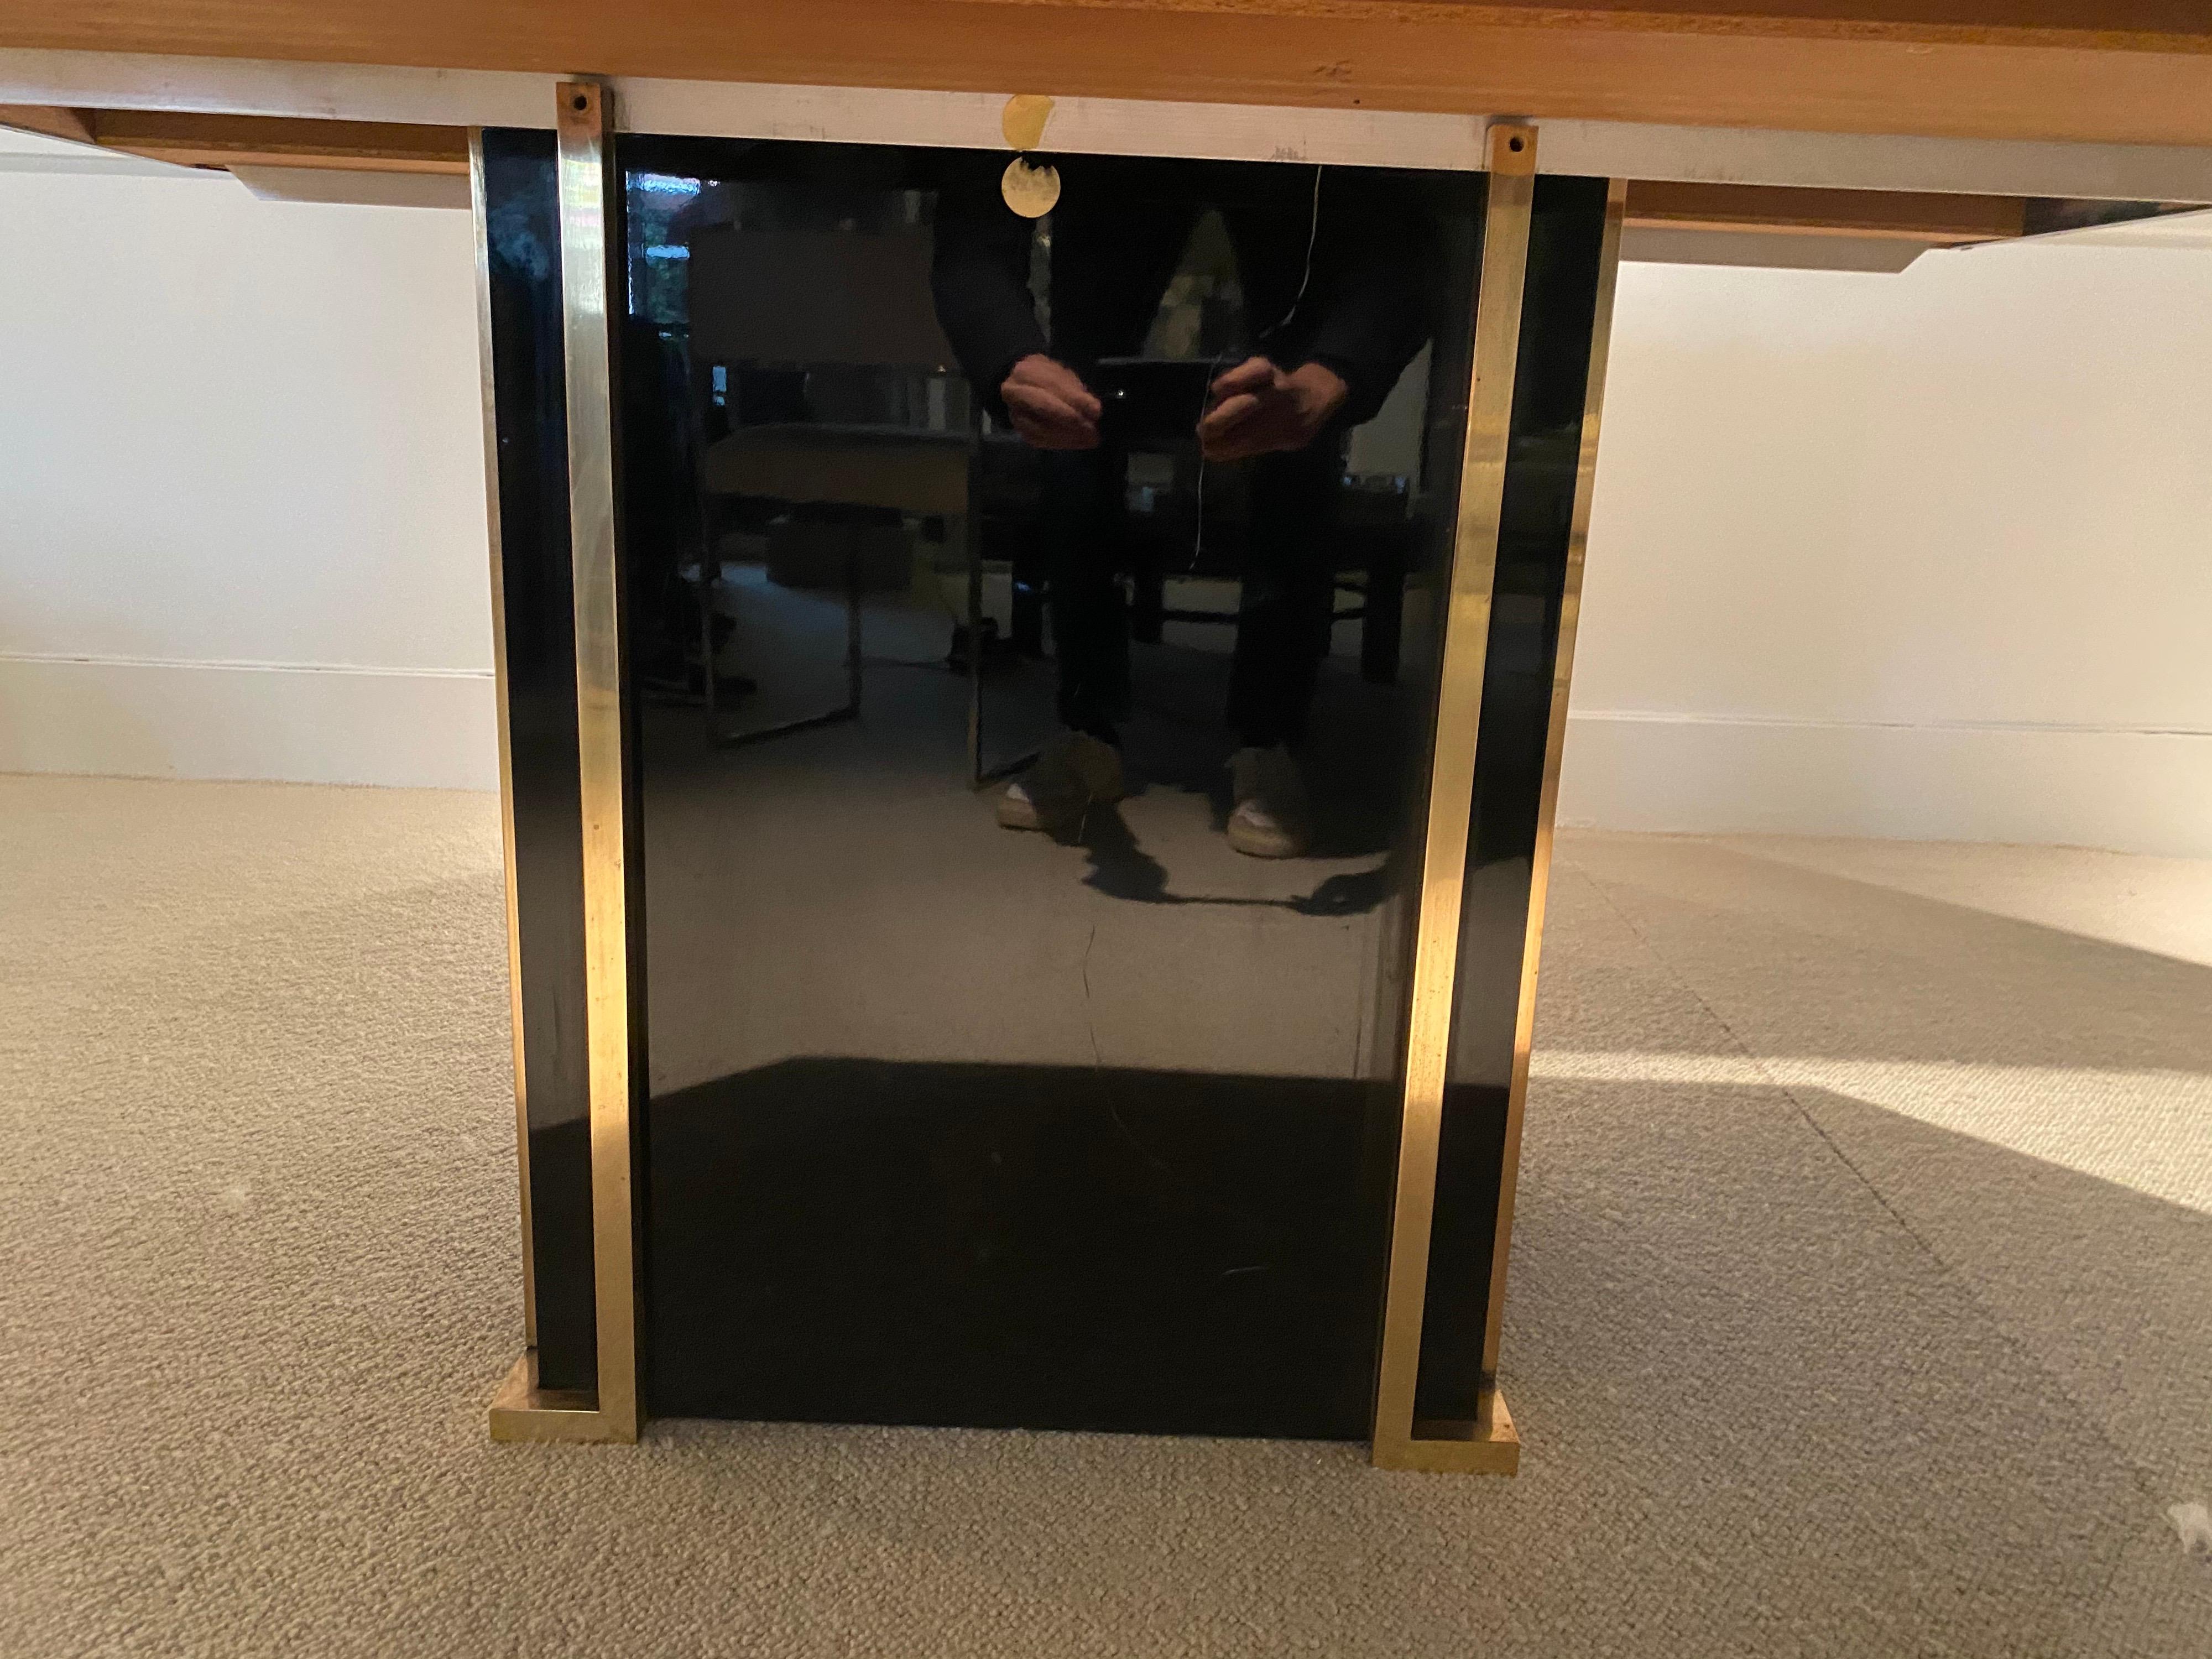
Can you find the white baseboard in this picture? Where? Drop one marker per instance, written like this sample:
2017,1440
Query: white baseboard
2132,791
2129,791
295,722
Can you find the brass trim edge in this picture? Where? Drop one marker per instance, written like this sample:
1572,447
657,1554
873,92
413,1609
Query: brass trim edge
585,188
1555,743
1488,1444
520,1410
480,211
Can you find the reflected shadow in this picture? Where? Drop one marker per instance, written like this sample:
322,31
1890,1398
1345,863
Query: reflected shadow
1121,869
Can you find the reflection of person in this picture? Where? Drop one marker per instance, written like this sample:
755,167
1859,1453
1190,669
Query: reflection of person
1334,277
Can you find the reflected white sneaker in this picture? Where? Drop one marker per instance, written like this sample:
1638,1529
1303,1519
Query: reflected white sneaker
1070,773
1272,818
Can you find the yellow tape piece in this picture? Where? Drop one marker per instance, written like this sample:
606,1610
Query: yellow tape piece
1024,119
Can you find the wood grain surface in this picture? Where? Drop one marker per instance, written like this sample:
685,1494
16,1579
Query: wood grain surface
2141,73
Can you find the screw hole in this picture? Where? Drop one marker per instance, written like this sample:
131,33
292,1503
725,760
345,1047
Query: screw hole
1517,145
583,101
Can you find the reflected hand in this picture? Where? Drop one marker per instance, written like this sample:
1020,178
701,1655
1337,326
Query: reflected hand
1256,409
1050,406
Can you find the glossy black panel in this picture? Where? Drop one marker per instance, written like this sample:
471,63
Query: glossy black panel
523,259
1016,1245
1559,310
954,1122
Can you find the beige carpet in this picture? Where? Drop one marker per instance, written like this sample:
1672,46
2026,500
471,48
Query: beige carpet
1859,1301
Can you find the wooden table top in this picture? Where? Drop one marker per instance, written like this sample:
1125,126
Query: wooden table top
2140,73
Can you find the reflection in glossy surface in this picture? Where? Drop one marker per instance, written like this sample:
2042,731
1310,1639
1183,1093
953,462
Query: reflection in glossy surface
952,1123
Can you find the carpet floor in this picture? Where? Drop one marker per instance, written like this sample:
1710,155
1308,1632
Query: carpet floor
1859,1300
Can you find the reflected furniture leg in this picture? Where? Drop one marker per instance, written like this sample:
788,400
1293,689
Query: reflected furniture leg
971,536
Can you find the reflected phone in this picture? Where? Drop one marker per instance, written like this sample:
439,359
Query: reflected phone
1151,401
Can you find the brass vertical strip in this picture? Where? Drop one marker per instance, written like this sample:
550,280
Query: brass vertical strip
505,748
1512,159
587,185
1555,742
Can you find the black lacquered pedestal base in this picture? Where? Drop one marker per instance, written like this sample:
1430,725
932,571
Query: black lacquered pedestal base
926,1106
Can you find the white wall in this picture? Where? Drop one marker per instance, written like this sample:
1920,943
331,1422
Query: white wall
241,486
1925,555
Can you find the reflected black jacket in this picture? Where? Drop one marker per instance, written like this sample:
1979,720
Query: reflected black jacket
1336,266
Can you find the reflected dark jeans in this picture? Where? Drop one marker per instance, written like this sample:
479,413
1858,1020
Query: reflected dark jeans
1283,617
